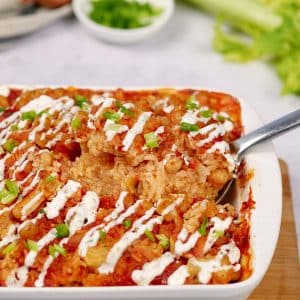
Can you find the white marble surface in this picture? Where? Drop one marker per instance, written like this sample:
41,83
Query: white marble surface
179,55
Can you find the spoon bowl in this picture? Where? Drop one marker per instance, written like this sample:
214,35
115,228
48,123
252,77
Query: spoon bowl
264,133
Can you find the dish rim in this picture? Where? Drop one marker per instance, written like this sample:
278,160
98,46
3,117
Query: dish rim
238,288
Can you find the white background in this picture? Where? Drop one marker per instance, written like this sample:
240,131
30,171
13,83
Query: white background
180,55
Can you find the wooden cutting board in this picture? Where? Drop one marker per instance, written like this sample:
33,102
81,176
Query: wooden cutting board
282,280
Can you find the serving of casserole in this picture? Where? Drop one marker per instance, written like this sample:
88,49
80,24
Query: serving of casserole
105,188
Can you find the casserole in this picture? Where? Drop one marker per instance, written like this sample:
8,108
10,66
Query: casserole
254,194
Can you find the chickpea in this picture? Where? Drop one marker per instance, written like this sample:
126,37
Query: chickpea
173,165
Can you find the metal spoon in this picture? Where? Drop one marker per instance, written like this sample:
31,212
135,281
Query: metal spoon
257,136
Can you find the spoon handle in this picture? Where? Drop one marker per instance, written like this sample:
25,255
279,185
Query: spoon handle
267,132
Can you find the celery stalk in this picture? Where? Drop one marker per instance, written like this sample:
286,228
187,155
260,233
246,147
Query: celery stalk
241,10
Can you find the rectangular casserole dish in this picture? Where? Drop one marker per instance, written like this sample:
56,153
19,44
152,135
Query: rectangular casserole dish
265,224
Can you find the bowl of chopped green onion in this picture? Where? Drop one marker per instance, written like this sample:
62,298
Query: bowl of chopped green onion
123,21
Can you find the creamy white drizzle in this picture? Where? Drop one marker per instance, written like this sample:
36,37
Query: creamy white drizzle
137,230
4,91
9,120
82,214
27,207
39,104
167,108
18,277
122,128
106,102
181,245
152,269
135,130
58,202
207,267
219,225
91,238
32,185
179,276
223,147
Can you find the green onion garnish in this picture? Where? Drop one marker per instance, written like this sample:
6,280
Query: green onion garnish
151,140
53,249
12,186
113,127
62,230
127,224
42,112
29,115
189,127
76,123
163,241
191,103
123,14
42,211
80,100
206,113
9,248
102,235
218,233
202,229
124,110
14,127
31,245
6,197
10,193
2,109
113,116
50,178
9,145
149,235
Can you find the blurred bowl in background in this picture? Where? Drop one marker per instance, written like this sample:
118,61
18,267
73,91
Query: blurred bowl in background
82,9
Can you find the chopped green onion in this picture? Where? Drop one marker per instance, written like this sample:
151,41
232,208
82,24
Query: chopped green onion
42,112
42,211
12,186
151,140
10,248
50,178
80,100
222,118
124,110
9,145
62,230
191,103
2,109
76,123
123,14
31,245
218,233
14,127
57,249
206,113
163,241
127,224
202,229
102,235
149,235
189,127
85,107
7,197
29,115
113,116
113,127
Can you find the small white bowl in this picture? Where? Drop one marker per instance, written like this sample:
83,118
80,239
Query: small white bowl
123,36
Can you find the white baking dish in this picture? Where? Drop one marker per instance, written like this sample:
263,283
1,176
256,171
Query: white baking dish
265,226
